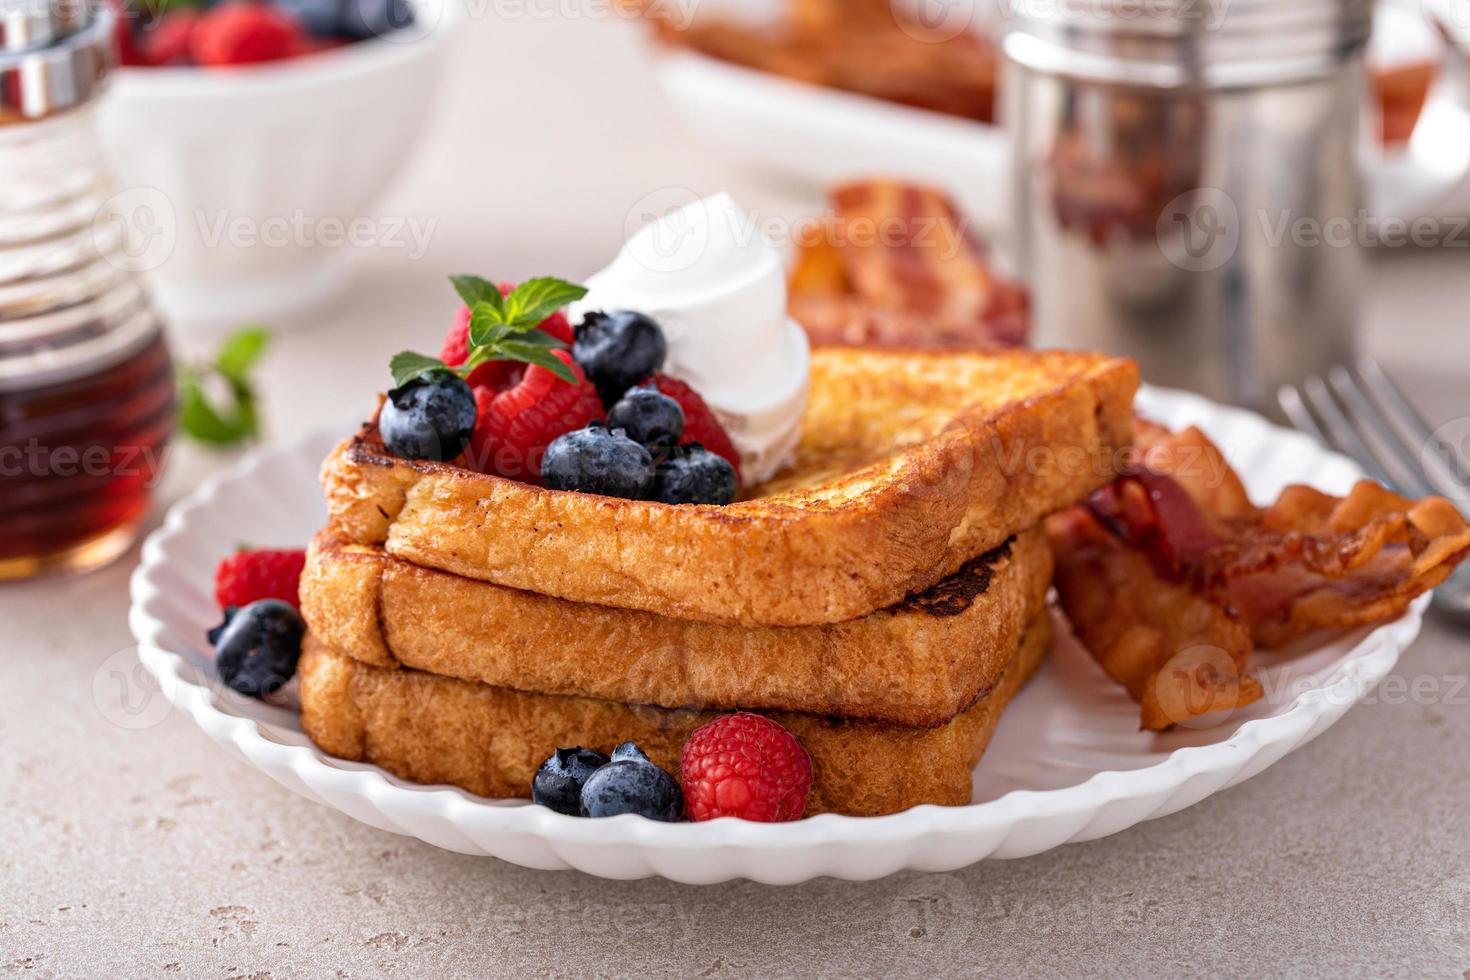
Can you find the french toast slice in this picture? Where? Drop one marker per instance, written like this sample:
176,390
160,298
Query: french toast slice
490,740
918,663
910,465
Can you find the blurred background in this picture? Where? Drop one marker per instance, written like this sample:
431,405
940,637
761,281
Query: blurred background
1240,195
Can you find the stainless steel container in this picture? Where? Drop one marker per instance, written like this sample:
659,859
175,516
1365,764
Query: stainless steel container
1186,182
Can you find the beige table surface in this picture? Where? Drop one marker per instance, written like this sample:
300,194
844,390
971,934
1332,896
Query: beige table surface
152,852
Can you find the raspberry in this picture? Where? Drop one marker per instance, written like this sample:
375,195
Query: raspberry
127,46
746,766
494,374
166,42
700,424
516,425
242,32
268,573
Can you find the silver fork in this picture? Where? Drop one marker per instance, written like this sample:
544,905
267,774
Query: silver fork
1359,411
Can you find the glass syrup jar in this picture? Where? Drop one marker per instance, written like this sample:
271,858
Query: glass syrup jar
86,384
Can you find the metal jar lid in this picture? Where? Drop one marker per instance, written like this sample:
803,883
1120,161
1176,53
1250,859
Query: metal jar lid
1187,43
54,55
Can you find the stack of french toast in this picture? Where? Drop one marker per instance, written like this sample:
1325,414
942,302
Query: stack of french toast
883,596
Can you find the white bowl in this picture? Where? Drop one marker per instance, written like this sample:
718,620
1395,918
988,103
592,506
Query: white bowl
242,177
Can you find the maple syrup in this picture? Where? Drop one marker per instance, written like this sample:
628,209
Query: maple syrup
86,385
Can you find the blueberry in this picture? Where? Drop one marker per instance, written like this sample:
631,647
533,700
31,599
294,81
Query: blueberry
630,786
256,647
650,417
362,20
431,417
629,750
694,475
598,460
558,783
618,350
319,17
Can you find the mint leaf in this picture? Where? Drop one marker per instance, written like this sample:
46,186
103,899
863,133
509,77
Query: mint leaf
487,325
241,351
406,366
223,423
504,327
541,338
473,289
208,424
519,350
536,299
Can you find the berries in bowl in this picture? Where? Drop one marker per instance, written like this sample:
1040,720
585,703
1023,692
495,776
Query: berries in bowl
233,33
581,409
246,132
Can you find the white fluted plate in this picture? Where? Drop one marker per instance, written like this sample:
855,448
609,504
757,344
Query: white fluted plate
1068,762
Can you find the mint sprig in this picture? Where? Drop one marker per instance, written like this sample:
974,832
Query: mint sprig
502,328
232,422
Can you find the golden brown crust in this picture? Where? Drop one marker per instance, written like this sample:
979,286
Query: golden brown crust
917,663
489,740
910,465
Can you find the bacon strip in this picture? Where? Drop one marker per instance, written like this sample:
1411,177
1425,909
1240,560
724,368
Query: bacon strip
1185,560
895,265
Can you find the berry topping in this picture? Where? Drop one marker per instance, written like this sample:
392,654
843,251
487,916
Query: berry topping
746,766
266,573
619,349
558,783
599,460
166,40
632,785
649,417
694,475
518,425
700,424
430,417
242,32
257,647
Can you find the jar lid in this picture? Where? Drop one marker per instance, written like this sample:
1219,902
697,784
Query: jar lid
26,25
1187,43
54,55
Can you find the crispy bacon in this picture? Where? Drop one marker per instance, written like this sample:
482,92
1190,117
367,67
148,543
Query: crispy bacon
1183,553
894,265
1179,655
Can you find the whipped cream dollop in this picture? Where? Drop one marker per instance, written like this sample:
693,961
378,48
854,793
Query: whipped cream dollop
718,289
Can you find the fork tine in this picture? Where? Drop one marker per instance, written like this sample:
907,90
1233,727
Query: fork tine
1366,416
1300,416
1340,431
1396,406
